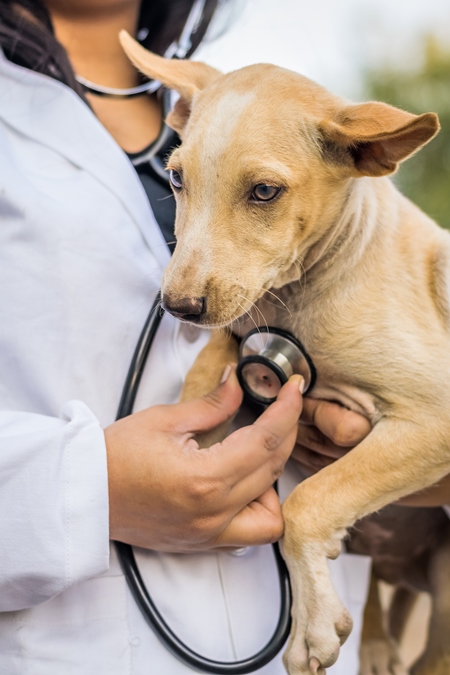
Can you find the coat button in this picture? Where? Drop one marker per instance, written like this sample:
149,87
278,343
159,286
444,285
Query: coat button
239,551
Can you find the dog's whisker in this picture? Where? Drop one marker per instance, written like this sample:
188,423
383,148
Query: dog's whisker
260,312
140,304
283,304
254,306
228,332
247,312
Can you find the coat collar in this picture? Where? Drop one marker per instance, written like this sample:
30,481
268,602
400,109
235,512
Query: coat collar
51,113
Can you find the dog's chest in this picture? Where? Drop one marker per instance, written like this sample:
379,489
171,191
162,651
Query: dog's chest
332,341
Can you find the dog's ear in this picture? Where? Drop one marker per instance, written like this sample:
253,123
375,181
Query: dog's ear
372,138
185,77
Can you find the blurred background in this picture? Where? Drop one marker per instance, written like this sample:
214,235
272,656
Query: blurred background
397,51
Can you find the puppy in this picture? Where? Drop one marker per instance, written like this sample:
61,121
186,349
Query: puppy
282,189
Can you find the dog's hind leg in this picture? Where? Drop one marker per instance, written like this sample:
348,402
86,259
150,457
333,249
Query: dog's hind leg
436,658
378,653
400,608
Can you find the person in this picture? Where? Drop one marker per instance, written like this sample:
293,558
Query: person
81,258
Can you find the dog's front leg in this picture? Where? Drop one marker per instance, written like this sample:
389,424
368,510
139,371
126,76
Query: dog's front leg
391,462
208,367
204,376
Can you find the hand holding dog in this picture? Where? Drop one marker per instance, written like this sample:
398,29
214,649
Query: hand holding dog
326,432
167,494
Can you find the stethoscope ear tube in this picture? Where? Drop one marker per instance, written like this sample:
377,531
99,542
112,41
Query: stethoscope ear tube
131,571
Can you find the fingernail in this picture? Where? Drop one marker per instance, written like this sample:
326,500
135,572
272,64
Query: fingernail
301,384
226,374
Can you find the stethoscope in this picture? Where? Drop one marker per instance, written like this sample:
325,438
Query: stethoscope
268,357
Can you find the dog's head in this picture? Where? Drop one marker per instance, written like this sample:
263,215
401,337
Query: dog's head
262,174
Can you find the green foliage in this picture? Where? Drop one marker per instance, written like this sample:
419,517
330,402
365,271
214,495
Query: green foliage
425,178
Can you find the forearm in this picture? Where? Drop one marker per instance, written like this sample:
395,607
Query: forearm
54,504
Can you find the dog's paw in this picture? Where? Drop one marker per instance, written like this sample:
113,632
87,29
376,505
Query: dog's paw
380,657
319,627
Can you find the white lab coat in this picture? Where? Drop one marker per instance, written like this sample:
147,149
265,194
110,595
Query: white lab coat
81,258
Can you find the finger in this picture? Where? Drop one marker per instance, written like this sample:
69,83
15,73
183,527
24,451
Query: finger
313,461
260,450
282,415
259,522
311,437
203,414
256,455
343,427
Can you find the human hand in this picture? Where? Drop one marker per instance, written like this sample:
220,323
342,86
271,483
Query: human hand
326,432
167,494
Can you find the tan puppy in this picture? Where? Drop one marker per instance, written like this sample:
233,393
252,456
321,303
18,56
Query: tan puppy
281,188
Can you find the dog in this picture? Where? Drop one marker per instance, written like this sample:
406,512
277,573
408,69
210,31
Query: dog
282,188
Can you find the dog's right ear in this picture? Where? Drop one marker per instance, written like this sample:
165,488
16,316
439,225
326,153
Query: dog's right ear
185,77
371,139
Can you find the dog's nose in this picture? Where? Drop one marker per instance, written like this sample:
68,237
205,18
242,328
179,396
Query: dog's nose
185,309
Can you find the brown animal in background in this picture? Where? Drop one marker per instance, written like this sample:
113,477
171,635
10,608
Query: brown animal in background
281,188
410,549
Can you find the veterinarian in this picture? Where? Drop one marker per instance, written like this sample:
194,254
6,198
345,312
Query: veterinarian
83,242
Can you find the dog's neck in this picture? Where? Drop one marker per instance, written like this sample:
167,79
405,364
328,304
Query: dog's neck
365,222
348,235
365,216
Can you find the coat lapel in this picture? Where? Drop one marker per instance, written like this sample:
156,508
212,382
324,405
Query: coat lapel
52,114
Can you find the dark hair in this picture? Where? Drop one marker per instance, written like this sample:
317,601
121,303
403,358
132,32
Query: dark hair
27,37
165,21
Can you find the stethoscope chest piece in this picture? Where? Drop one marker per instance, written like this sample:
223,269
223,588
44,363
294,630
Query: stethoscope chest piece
268,358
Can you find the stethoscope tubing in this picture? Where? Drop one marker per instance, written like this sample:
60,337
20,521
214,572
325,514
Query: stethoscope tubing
130,568
139,359
125,552
184,653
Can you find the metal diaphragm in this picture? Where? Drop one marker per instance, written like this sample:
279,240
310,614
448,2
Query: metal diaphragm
268,358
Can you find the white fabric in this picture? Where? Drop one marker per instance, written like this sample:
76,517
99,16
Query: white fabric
80,262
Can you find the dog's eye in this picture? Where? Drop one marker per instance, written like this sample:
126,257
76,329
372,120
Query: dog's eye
175,179
265,193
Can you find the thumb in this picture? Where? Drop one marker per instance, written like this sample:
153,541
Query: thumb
259,522
203,414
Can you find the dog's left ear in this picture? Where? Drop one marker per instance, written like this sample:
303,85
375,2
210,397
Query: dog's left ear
372,138
185,77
